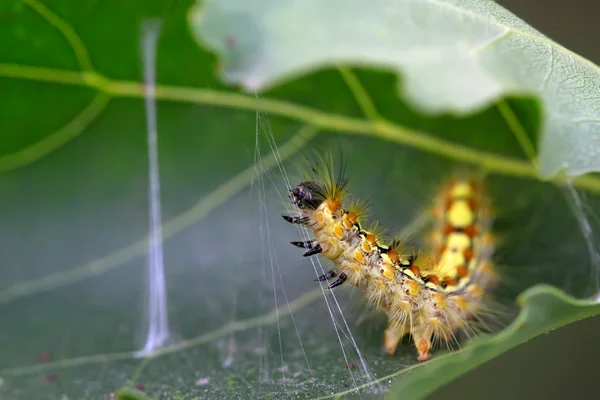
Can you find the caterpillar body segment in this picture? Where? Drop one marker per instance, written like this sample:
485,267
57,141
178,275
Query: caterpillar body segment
461,235
430,302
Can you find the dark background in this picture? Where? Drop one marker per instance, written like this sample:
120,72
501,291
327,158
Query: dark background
562,364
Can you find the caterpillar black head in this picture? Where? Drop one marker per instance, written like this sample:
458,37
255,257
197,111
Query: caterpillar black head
307,195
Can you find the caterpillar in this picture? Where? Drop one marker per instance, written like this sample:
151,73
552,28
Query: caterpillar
430,301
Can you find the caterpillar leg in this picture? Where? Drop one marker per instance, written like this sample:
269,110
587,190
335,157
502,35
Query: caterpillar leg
391,338
328,275
339,281
312,245
308,244
315,250
295,220
422,339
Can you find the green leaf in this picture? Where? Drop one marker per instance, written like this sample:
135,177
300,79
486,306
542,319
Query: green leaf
543,309
73,178
127,393
453,55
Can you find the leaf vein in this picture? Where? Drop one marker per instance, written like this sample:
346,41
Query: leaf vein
77,45
56,139
203,207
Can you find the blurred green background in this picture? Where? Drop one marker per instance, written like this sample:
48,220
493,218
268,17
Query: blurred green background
561,364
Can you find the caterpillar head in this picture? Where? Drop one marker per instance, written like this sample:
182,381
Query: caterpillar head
307,195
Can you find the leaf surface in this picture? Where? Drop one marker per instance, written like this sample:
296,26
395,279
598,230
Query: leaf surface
74,184
454,56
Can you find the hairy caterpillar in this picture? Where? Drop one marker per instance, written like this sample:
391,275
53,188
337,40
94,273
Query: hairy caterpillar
431,301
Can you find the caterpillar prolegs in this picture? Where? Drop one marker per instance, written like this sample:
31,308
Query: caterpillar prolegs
430,301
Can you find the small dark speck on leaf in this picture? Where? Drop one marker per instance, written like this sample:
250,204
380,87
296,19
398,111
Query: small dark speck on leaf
351,366
44,357
230,42
139,387
51,377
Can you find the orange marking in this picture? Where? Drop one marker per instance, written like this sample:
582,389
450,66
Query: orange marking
415,270
441,249
468,254
371,239
391,339
347,223
394,257
387,272
366,247
450,281
448,229
320,217
339,231
334,204
461,303
471,230
358,256
462,271
412,288
434,279
352,217
448,204
440,300
472,203
423,349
